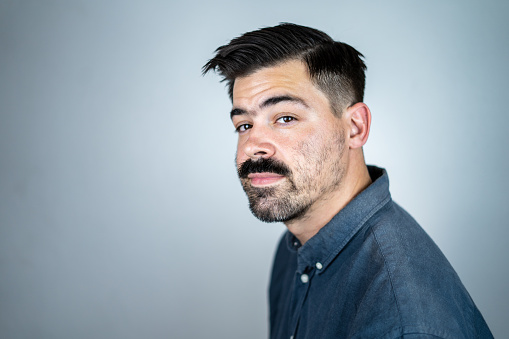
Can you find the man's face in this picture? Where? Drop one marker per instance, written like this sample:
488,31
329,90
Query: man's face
291,147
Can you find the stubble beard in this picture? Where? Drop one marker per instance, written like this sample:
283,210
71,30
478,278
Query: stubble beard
314,176
276,203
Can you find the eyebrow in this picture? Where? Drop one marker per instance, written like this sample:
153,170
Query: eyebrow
271,102
237,111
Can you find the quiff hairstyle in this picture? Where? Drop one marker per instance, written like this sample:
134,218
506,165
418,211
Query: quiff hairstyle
334,67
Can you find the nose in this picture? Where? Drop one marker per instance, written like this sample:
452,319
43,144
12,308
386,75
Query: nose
258,144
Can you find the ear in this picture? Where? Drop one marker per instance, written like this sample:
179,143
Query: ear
359,119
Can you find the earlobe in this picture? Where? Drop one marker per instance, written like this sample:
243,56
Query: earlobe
360,121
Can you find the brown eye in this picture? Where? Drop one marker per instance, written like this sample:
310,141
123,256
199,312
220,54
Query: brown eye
243,128
286,119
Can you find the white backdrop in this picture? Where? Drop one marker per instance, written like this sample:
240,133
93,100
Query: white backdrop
120,212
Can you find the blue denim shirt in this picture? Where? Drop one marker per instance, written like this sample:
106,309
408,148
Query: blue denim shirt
371,272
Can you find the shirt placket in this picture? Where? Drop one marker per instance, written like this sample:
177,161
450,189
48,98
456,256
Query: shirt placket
302,283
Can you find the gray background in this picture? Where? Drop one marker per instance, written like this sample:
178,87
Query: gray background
120,211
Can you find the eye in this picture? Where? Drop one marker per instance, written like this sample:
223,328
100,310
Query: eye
243,128
286,119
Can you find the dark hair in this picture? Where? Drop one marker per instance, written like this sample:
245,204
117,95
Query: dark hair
335,67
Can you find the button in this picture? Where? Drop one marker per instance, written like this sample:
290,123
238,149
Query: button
304,278
319,265
295,244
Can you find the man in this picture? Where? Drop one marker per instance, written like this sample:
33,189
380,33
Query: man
353,264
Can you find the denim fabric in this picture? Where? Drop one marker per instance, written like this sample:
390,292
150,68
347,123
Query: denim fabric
371,272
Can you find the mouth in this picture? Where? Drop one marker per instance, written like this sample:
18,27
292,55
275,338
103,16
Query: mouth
265,178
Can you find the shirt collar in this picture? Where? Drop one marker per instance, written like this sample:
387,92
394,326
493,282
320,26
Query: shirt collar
324,246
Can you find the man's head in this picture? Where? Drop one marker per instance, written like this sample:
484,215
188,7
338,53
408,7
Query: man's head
297,148
334,67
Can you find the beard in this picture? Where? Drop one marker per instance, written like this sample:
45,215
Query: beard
315,174
273,203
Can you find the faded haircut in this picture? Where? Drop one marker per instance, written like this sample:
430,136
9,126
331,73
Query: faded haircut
336,68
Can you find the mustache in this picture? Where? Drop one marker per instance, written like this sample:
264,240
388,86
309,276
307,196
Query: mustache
262,165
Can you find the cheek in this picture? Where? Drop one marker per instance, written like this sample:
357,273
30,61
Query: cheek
315,154
307,148
240,157
305,157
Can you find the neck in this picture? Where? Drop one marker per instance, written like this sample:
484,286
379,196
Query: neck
356,179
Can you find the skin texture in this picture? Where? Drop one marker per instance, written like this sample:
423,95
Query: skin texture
281,115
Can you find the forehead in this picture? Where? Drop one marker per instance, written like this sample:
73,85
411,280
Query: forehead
288,78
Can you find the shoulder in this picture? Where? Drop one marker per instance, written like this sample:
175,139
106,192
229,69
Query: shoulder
429,296
284,253
403,242
283,270
284,265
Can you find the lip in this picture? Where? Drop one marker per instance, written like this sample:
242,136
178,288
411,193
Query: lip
263,179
